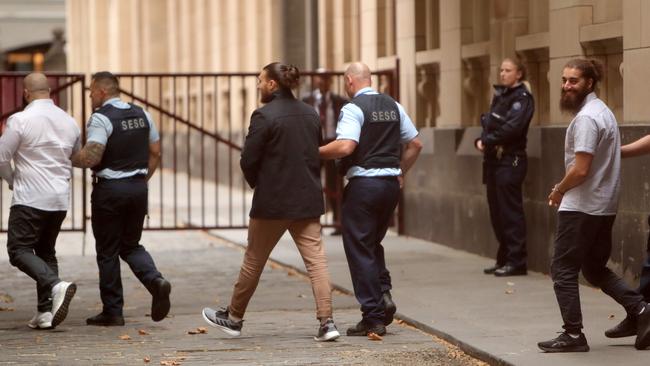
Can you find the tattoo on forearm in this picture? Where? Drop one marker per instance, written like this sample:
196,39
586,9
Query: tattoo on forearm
89,156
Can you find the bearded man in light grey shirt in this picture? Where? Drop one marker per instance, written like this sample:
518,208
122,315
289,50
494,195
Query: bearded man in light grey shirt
587,197
40,141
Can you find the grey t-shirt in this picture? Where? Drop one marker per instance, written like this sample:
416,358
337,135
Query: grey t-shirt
594,131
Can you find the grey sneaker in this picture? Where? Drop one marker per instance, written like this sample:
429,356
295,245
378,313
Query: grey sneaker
219,319
41,321
327,332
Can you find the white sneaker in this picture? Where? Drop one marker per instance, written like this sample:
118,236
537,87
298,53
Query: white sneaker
62,294
41,321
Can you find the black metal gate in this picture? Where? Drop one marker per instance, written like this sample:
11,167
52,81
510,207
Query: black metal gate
202,120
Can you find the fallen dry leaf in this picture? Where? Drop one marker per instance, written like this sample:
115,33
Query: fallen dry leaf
147,359
510,283
510,291
202,330
125,337
611,316
192,331
170,363
302,296
400,322
6,309
274,266
142,332
374,337
6,298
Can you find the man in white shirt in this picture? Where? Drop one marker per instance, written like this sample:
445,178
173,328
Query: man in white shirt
40,140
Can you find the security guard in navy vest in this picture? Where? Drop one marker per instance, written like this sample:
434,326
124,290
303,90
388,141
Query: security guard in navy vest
123,150
370,134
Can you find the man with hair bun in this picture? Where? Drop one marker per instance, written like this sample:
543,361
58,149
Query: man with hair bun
280,162
587,197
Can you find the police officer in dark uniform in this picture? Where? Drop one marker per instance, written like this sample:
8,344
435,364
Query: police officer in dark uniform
370,133
123,150
503,143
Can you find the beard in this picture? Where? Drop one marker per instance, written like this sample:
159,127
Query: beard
265,96
571,101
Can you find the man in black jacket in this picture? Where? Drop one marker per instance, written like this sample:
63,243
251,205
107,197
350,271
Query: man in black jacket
280,161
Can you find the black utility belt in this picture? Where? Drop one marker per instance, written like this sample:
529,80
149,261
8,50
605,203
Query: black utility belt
385,177
97,179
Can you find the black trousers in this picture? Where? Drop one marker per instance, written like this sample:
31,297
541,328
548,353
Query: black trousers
30,242
368,204
644,285
118,211
505,201
584,242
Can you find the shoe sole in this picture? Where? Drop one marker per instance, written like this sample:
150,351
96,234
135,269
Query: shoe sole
234,333
329,336
643,340
62,312
566,349
160,303
620,335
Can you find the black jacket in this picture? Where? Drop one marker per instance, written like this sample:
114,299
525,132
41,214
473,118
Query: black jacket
280,160
506,125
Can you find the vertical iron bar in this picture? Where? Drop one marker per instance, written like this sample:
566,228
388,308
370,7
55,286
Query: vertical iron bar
202,98
83,171
243,135
146,98
70,97
216,150
160,134
230,178
188,100
175,154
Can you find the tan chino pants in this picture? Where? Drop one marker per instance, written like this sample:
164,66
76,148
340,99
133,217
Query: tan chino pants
263,235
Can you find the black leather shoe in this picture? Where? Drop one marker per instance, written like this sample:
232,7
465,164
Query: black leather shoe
389,308
106,320
509,270
625,328
490,270
160,289
362,329
643,329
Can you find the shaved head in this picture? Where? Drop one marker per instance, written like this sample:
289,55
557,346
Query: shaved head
36,81
36,87
356,77
358,71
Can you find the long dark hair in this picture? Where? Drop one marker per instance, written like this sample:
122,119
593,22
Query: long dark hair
287,76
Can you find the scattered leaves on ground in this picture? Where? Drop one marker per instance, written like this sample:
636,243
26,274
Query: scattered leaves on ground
170,363
199,330
125,337
302,296
6,298
6,309
147,359
401,322
510,291
374,336
510,283
611,316
142,332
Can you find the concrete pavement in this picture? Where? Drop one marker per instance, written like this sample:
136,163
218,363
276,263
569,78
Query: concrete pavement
500,320
279,328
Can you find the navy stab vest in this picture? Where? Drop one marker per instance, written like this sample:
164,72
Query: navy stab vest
127,148
379,143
